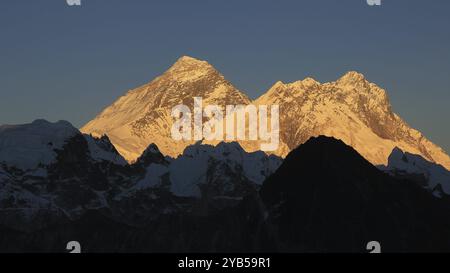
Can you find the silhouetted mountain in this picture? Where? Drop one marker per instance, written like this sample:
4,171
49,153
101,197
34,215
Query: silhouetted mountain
327,197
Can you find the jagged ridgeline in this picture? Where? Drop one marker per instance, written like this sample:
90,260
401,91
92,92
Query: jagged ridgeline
122,184
351,109
324,197
50,173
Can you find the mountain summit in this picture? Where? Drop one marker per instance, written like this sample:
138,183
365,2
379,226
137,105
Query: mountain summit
351,109
143,115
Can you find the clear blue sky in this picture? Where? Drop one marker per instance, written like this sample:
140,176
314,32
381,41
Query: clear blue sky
61,62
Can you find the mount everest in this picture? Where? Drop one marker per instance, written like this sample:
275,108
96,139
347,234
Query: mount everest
351,109
123,184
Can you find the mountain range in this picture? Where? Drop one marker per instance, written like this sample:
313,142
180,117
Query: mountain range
324,197
351,109
52,172
348,171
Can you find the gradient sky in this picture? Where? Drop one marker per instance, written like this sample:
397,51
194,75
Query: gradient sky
60,62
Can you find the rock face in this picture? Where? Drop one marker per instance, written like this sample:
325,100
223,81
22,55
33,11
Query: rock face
351,109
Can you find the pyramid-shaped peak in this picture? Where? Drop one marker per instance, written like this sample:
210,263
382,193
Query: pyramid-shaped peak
187,61
189,68
151,155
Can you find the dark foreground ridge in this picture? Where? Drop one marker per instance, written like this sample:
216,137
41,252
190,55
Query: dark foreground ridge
325,197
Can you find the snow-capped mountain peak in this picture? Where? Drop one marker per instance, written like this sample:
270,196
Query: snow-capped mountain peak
186,62
351,109
143,115
352,77
188,69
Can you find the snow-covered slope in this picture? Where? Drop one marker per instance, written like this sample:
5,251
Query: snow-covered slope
401,163
351,109
143,115
50,172
35,145
101,149
26,146
222,171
